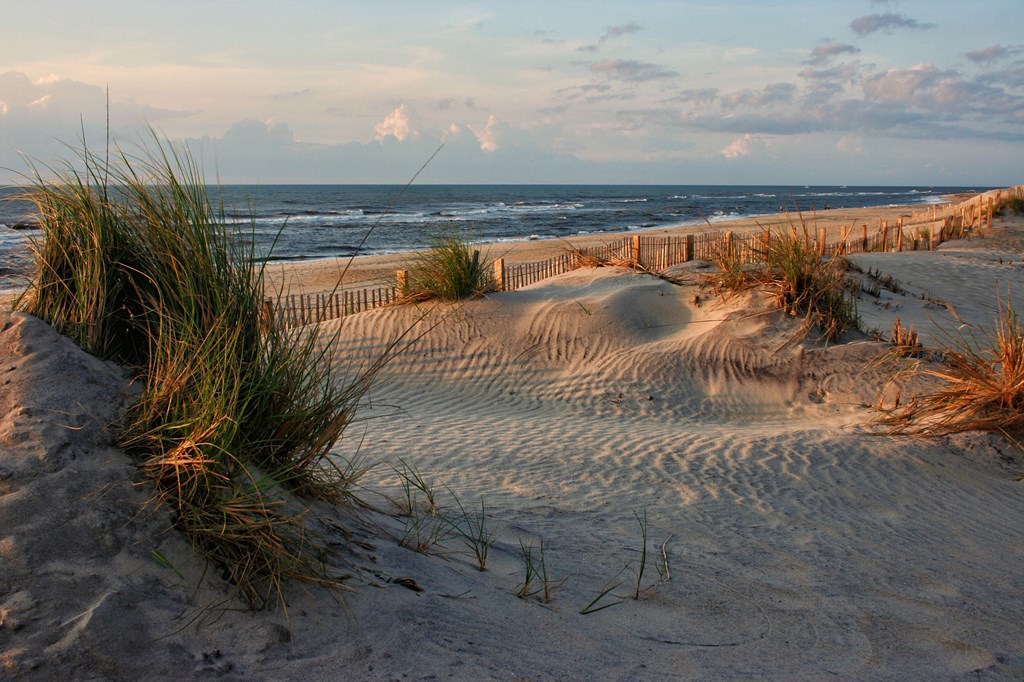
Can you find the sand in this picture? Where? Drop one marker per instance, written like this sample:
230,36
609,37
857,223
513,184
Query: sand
799,544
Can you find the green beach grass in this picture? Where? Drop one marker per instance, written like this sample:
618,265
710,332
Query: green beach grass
238,414
451,270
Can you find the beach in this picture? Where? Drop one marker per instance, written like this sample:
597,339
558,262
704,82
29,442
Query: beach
700,492
321,275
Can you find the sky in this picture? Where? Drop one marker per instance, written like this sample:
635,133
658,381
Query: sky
856,92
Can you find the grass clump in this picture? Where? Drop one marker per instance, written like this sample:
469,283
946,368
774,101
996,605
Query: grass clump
807,284
535,568
733,273
451,270
904,340
476,532
980,385
237,414
802,280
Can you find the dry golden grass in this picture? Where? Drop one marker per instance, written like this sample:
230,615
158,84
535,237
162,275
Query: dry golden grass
580,258
905,340
980,385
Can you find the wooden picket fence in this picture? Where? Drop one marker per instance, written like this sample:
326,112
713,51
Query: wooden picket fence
301,309
923,230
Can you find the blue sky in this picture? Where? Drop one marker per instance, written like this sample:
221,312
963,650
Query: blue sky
639,91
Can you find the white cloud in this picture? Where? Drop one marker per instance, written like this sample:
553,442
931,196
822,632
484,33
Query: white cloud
453,132
398,125
489,135
743,146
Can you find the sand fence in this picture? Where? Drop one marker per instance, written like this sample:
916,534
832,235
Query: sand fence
923,230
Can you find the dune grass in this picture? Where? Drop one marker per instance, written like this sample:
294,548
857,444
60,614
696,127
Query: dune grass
801,279
1013,205
451,270
904,340
980,385
237,413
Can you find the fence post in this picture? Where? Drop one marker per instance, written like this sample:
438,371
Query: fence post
499,274
728,243
636,249
864,237
842,240
402,277
688,253
822,238
899,235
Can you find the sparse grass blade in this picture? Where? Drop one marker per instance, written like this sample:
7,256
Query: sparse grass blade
642,521
526,588
594,607
477,533
595,604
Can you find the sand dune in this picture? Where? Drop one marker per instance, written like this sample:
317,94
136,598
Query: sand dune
799,544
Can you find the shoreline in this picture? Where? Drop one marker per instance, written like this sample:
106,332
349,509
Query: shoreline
324,274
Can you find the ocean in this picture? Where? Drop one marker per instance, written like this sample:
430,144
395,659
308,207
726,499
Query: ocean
298,222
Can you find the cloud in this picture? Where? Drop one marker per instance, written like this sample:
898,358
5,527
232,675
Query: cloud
610,33
270,133
630,70
292,95
823,53
847,98
699,96
39,116
396,125
769,95
617,31
743,146
489,135
992,54
58,102
586,91
1012,77
902,85
825,84
885,22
